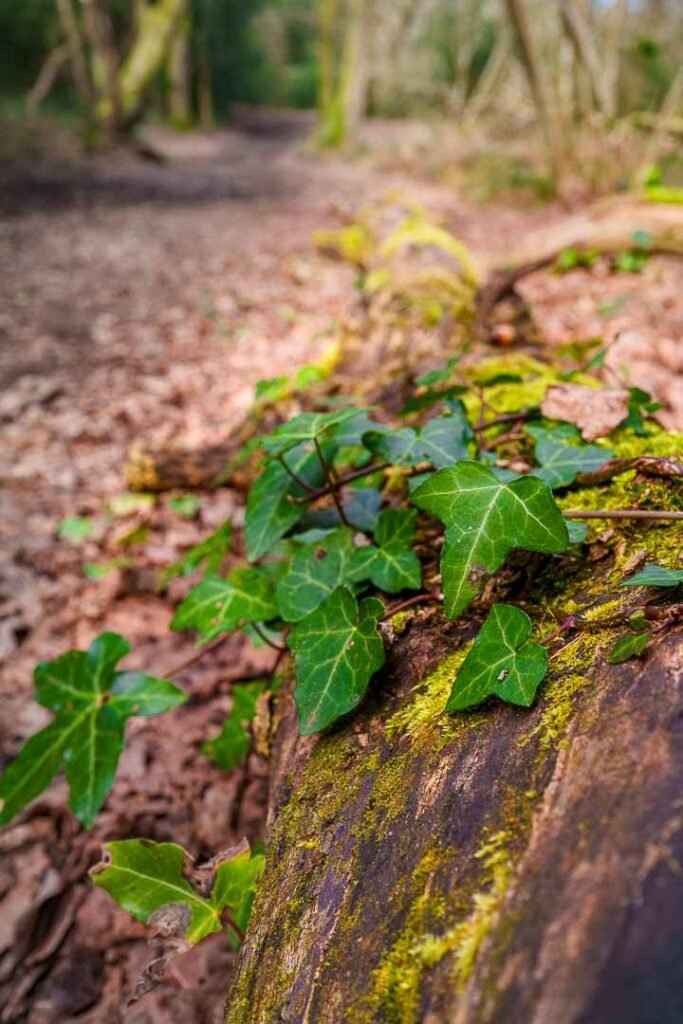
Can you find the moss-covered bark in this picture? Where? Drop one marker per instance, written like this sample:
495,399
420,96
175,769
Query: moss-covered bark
501,866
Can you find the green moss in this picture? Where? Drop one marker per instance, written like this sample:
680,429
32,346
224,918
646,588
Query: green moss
418,948
431,694
354,244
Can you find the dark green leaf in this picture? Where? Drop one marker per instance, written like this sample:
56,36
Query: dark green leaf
218,605
92,702
441,442
639,402
485,519
438,376
336,650
270,512
233,742
315,571
653,575
307,428
390,563
630,645
501,663
562,456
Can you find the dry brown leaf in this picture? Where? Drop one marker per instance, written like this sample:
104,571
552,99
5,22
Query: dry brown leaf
595,411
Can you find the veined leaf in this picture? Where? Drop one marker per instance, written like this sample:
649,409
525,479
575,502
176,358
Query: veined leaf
218,605
314,572
232,743
307,428
235,887
143,876
562,456
653,575
270,512
336,650
487,518
442,441
390,564
92,702
501,663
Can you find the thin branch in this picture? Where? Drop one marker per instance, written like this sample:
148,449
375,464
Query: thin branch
620,513
195,657
429,597
650,465
259,632
331,483
357,474
294,476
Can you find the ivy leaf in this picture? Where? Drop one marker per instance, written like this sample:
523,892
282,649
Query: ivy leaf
235,887
639,401
232,744
501,663
270,512
630,645
75,529
361,506
562,456
653,575
307,428
218,605
336,650
442,442
314,572
211,551
390,563
143,876
92,703
486,518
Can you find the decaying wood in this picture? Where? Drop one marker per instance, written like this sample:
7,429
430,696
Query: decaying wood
500,866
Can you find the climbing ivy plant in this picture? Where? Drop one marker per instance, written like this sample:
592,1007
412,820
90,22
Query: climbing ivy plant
349,521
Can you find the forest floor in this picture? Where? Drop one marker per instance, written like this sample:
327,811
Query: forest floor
141,303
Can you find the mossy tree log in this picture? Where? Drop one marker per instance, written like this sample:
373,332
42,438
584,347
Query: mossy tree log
497,866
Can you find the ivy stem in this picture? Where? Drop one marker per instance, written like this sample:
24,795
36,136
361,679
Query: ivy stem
231,923
620,513
332,484
259,632
426,598
194,658
294,476
357,474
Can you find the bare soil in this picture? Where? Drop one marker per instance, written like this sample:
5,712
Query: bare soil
141,303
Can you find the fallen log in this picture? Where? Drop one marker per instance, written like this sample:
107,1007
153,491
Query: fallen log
498,866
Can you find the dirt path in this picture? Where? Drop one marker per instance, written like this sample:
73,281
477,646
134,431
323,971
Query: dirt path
143,302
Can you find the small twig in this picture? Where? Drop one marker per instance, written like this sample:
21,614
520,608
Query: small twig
513,435
410,602
231,923
294,476
195,657
650,465
259,632
508,417
620,513
331,483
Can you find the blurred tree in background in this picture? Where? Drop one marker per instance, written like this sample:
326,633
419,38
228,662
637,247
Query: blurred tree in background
598,77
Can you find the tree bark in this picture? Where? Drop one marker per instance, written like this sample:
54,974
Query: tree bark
540,86
180,72
501,866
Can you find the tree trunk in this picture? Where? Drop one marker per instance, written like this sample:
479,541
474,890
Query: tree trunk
76,51
343,71
500,866
157,26
180,73
540,86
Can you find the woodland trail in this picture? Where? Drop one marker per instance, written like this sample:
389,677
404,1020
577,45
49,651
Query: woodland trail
142,303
